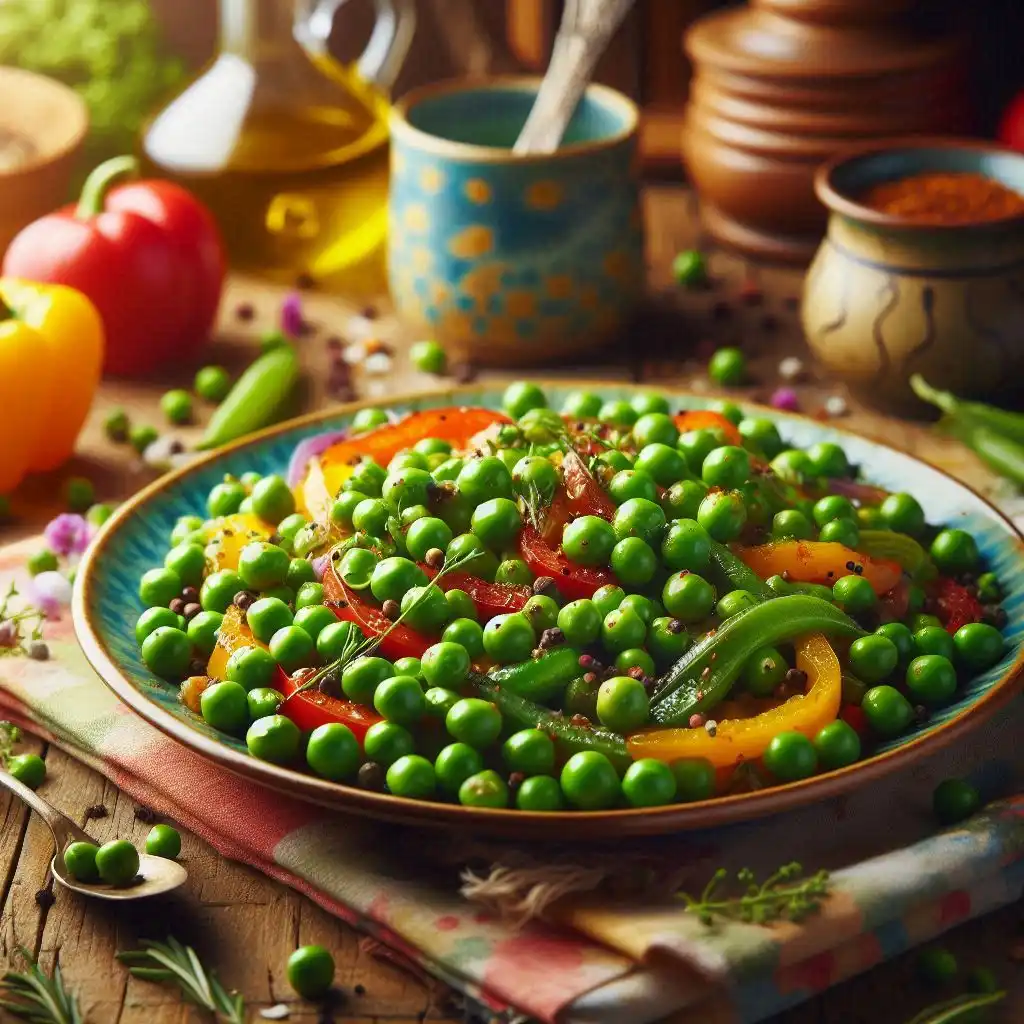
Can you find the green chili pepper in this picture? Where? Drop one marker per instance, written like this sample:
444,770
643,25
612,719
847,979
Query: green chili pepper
257,399
569,738
779,586
898,547
734,574
703,677
996,436
540,678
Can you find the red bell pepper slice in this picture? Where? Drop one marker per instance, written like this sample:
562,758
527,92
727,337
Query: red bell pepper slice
699,419
579,495
574,581
490,598
309,709
956,605
454,424
400,642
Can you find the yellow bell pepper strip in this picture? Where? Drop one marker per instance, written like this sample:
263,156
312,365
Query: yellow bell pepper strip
745,739
819,562
703,677
51,352
226,538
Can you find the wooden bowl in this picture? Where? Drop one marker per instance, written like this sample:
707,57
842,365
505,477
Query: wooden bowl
42,127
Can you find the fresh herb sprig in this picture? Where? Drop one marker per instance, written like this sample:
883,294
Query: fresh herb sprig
784,895
13,624
9,736
358,647
36,997
961,1008
173,962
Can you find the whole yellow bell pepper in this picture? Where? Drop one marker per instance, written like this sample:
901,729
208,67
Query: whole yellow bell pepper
51,354
745,739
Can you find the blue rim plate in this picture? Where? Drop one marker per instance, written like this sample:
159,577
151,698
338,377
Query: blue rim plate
106,605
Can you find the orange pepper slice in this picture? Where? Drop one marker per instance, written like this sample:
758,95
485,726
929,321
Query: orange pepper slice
700,419
817,562
745,739
225,541
233,633
458,425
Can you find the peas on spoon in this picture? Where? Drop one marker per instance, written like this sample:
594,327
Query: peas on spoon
155,874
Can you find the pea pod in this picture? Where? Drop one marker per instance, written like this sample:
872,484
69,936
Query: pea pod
540,678
733,573
570,739
779,586
257,399
703,677
898,547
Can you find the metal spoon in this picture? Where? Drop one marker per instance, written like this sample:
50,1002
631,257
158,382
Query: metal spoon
156,874
586,28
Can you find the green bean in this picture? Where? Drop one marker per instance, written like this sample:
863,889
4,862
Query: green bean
734,574
540,678
257,399
703,677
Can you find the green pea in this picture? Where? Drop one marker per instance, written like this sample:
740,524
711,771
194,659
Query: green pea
153,618
582,405
80,861
828,459
530,751
654,428
761,435
978,646
392,577
534,474
837,745
667,640
522,396
425,609
332,751
733,603
167,652
212,383
589,781
28,769
833,506
955,551
633,561
618,413
589,540
219,589
636,657
224,706
622,629
689,268
454,764
723,514
955,800
225,499
663,463
792,465
764,671
360,678
903,513
873,658
728,367
632,483
934,640
117,862
509,638
496,522
466,632
159,587
539,793
163,841
176,405
888,712
791,756
638,517
648,783
264,701
580,621
840,531
485,789
726,467
311,971
541,612
696,445
263,566
607,598
446,664
474,721
622,703
695,779
688,597
266,616
854,594
645,402
683,498
931,679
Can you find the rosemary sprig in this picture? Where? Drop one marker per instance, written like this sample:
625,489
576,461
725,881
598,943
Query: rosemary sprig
356,648
173,962
33,996
9,736
12,623
783,895
533,507
961,1008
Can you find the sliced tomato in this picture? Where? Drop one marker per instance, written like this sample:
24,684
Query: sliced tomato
956,605
490,598
700,419
400,642
458,425
310,709
894,605
574,581
579,495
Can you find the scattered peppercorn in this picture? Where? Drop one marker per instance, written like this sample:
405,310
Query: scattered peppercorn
243,600
45,899
464,373
95,811
37,650
370,776
245,311
145,814
434,558
391,609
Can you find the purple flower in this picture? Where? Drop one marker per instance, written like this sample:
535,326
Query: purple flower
68,534
50,592
785,398
292,322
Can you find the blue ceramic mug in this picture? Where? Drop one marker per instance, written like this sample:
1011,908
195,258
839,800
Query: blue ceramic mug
509,259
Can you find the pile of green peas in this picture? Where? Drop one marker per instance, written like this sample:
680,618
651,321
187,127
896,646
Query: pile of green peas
117,862
670,493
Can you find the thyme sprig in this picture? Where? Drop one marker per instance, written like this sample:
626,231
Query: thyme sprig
9,736
355,646
173,962
961,1008
36,997
784,895
13,624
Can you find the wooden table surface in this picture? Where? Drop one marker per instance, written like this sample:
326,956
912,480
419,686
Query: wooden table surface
245,924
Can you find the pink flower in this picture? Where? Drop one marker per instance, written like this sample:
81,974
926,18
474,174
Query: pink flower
50,592
68,534
785,398
292,322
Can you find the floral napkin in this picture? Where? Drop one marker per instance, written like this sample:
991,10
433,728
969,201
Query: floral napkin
895,881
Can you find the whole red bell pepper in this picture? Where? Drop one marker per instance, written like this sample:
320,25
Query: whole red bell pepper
147,254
